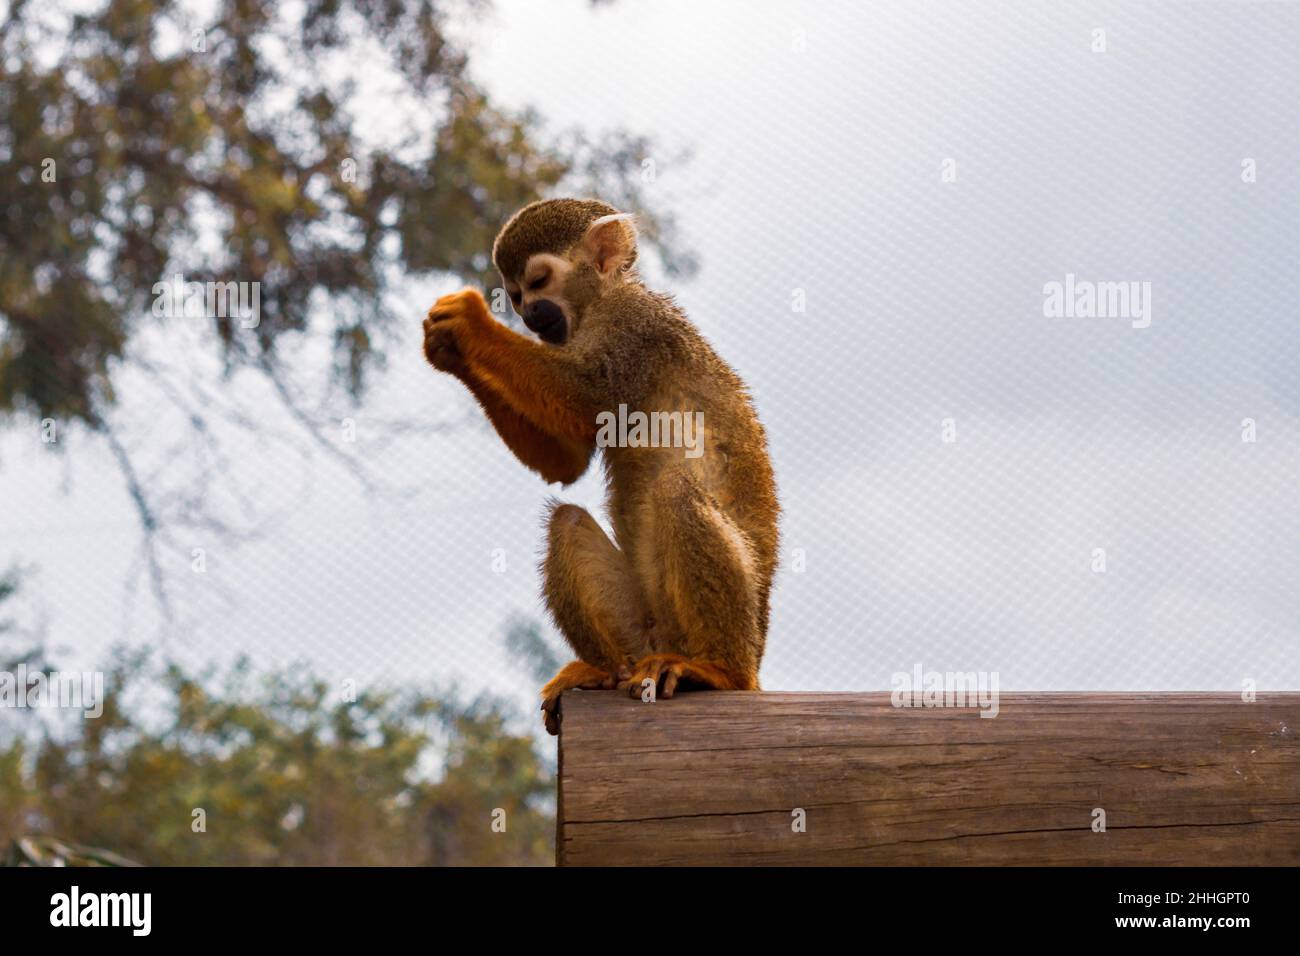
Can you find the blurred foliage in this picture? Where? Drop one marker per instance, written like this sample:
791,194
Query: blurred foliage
48,851
133,139
527,645
287,771
8,588
19,642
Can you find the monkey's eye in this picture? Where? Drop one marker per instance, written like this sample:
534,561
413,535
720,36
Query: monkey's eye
540,281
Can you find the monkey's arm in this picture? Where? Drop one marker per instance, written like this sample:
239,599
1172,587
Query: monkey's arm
538,382
555,459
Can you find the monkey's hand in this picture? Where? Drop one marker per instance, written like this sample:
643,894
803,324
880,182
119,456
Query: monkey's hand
452,318
468,307
441,348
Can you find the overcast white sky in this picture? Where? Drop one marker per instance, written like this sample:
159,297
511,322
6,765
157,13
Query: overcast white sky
818,134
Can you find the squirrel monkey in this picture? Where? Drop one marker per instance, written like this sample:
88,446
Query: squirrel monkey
680,596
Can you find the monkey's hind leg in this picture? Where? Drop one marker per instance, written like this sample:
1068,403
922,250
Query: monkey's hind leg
705,565
595,601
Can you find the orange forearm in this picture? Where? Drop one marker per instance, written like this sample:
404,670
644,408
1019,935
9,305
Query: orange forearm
555,459
532,379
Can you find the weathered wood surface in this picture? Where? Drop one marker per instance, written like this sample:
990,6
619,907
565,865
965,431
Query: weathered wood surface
714,778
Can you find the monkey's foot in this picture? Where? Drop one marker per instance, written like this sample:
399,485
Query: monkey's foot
579,675
668,670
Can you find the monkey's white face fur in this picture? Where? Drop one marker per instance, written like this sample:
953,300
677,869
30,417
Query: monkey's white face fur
540,294
540,299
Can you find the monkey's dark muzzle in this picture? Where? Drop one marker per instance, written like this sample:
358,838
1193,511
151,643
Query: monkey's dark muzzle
546,319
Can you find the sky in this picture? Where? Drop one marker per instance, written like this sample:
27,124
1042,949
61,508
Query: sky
918,174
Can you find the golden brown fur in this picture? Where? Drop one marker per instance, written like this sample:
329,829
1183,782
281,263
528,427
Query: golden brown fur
681,593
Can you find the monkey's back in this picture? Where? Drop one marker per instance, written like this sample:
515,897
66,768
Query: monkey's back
733,469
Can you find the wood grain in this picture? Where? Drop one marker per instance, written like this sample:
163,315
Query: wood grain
714,777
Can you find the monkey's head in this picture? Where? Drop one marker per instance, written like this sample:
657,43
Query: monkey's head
558,256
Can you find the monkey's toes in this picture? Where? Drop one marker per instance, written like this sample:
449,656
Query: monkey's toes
607,682
551,714
665,675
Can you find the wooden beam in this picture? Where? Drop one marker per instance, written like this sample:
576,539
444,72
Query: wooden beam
719,778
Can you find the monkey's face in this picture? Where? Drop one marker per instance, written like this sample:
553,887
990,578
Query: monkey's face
557,283
538,295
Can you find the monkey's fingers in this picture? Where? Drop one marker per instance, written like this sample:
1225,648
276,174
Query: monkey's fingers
467,304
441,348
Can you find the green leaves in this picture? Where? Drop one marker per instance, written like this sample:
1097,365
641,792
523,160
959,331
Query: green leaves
230,151
241,768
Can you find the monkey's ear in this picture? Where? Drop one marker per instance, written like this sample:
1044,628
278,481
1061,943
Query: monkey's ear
610,242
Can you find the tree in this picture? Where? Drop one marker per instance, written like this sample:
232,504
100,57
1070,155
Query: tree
242,768
136,145
21,638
